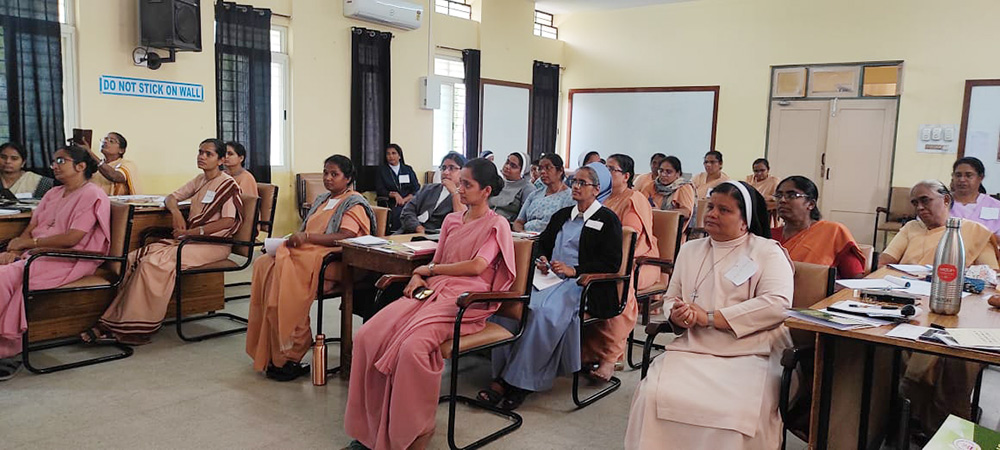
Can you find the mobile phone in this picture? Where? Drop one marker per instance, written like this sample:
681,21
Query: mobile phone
422,293
82,136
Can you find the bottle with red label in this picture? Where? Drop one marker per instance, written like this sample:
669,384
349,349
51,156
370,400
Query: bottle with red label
949,270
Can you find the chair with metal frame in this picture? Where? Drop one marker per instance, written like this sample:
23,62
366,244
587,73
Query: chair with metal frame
242,244
108,277
308,186
268,205
896,215
621,279
513,305
668,227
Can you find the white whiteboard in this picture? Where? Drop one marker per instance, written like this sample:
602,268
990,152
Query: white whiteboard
982,136
505,120
639,124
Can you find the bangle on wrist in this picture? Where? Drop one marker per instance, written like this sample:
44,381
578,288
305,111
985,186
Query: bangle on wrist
711,319
34,241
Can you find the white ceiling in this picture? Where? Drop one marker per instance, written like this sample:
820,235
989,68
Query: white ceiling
574,6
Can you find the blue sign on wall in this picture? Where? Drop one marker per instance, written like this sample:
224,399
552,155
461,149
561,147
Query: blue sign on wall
136,87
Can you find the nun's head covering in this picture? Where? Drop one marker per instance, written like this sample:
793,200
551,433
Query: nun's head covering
754,207
604,177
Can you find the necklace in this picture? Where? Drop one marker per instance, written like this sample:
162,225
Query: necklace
697,283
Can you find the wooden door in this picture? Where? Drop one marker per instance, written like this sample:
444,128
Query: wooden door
797,138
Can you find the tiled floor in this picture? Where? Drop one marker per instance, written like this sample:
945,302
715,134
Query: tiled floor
178,395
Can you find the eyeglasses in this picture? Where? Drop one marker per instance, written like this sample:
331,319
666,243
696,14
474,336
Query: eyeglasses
615,169
581,183
60,161
788,195
448,168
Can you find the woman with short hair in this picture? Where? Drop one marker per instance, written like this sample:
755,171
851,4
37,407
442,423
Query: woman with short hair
970,198
433,202
116,175
15,178
761,178
712,176
541,204
232,164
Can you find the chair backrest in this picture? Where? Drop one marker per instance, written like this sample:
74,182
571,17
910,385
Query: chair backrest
429,176
381,220
699,215
121,234
899,204
812,282
869,252
247,232
523,249
268,205
308,186
667,229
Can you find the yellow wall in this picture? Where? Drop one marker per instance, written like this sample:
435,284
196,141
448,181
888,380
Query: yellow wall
733,43
163,134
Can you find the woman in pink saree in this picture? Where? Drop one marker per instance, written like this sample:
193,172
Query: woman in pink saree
77,216
475,254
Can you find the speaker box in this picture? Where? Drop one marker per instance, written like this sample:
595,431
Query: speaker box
170,24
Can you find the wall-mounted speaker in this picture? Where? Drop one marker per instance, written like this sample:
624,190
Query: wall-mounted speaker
170,24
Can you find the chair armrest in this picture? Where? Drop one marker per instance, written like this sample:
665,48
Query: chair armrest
388,280
212,239
662,263
655,328
64,252
881,209
793,356
592,278
469,298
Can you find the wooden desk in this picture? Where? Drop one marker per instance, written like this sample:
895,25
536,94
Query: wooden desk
367,258
843,357
65,315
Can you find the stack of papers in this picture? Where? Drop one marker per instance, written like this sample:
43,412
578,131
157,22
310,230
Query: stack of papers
8,212
834,319
987,339
524,235
917,270
153,201
891,283
422,247
871,310
367,240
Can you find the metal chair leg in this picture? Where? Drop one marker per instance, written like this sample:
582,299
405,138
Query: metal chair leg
613,384
180,320
452,398
124,351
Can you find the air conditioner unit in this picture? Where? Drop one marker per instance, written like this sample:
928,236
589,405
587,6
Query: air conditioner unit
396,13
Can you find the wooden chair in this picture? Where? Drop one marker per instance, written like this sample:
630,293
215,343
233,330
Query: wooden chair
698,230
268,206
668,227
870,257
429,176
53,302
896,215
323,294
308,186
621,280
813,282
242,244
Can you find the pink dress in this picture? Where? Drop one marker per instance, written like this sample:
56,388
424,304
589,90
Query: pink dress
386,411
86,209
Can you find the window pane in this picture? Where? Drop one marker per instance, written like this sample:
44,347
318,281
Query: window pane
276,44
881,81
277,114
446,67
833,81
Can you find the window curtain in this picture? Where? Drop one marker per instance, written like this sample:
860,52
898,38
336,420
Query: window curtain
31,111
370,107
243,82
544,108
471,59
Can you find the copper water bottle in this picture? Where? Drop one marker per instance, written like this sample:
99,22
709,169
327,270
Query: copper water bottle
319,361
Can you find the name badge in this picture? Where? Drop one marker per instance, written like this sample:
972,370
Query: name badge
597,225
331,203
989,213
209,197
424,216
403,179
740,272
23,195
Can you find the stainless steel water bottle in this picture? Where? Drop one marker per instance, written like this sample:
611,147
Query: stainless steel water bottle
949,271
319,361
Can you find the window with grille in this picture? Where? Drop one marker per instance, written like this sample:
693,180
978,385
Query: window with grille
544,27
280,74
449,119
453,8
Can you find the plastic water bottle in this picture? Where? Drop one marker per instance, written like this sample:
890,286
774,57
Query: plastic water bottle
949,271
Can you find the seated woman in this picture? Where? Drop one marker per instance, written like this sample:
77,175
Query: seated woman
428,209
971,201
75,215
654,171
809,239
716,386
216,210
397,182
670,191
516,188
541,204
712,176
15,179
605,342
284,284
117,175
589,157
396,374
937,386
536,174
762,180
581,239
232,164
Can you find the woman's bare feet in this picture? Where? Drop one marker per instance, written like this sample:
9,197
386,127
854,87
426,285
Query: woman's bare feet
604,371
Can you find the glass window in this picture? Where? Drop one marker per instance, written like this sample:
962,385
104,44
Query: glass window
543,25
453,8
881,81
280,74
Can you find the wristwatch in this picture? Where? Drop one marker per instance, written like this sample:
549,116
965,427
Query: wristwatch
430,268
711,319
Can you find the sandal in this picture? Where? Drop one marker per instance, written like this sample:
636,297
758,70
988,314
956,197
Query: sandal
513,399
10,367
98,336
355,445
492,395
288,372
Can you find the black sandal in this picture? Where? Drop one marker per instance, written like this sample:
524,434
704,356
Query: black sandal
97,336
288,372
513,398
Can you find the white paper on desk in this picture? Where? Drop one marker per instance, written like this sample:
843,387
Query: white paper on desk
867,283
986,338
869,320
23,195
917,270
872,311
367,240
524,234
271,245
8,212
907,331
542,282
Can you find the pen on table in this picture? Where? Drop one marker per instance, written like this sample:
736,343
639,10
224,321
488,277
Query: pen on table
872,306
936,326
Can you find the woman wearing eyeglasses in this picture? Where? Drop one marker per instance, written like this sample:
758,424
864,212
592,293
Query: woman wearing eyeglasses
516,188
76,216
435,201
116,175
541,204
810,239
670,191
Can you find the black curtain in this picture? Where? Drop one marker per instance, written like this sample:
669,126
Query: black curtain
544,108
31,112
370,86
471,59
243,82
